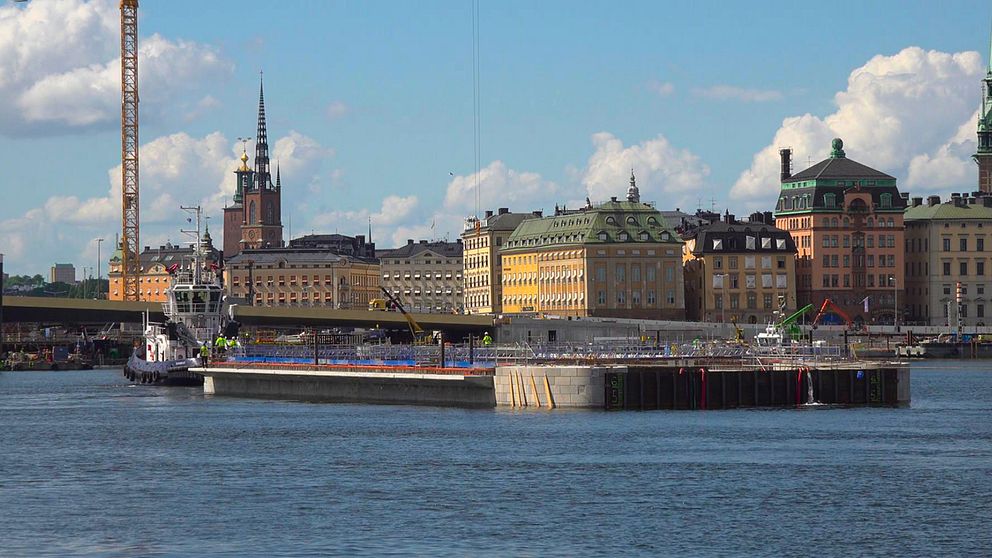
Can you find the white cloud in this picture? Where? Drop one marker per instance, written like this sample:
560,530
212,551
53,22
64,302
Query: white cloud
663,89
498,185
908,114
732,92
391,218
336,109
177,169
661,169
60,70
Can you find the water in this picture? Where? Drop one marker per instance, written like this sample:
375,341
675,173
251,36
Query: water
92,466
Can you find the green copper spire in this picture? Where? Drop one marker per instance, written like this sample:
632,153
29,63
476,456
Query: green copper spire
837,149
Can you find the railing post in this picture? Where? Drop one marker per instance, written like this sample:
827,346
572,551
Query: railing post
471,349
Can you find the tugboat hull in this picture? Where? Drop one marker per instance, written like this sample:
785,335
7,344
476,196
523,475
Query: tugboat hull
166,373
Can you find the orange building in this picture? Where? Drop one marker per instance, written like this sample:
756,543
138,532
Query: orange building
154,276
847,222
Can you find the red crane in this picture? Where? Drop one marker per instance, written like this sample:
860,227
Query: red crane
831,305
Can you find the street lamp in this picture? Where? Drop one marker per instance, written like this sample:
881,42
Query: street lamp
99,241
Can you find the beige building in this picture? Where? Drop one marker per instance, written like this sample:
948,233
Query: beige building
948,244
739,271
482,240
618,259
62,273
302,277
425,276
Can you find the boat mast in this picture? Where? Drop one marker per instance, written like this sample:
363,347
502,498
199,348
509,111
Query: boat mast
195,210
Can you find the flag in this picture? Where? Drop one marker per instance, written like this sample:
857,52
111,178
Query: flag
865,302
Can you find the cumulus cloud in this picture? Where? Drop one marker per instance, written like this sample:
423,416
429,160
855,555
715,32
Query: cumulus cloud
390,221
909,114
498,185
60,71
732,92
177,169
661,168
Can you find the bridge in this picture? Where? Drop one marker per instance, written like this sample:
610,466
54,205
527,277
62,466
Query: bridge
69,311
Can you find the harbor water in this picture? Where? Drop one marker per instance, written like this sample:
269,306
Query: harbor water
93,466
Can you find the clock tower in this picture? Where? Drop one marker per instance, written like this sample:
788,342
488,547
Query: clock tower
983,156
261,226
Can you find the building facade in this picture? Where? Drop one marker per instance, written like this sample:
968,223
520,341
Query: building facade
342,245
62,273
847,222
157,266
948,245
739,271
618,259
425,276
482,240
254,219
301,277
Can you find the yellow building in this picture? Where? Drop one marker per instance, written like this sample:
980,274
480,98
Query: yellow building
617,259
155,265
738,271
482,240
302,277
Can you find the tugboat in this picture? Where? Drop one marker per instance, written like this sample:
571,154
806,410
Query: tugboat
195,314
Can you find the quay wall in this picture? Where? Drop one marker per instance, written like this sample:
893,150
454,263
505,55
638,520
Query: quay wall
352,386
650,387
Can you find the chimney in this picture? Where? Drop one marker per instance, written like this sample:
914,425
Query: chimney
786,156
959,201
917,201
769,218
489,214
409,241
537,213
987,201
423,242
972,200
613,198
933,200
504,210
458,240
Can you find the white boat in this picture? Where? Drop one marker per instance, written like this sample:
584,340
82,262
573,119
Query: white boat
195,314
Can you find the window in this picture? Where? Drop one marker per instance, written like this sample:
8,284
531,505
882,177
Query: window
601,273
826,260
652,298
847,260
621,297
947,268
980,311
781,281
717,262
732,262
886,200
980,268
718,302
669,273
780,264
650,273
718,281
752,300
621,273
748,262
780,243
980,244
601,298
635,273
871,241
963,268
946,244
749,281
829,200
717,244
766,280
735,301
766,301
847,280
766,262
963,244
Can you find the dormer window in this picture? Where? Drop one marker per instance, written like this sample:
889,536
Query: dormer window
602,236
611,221
631,221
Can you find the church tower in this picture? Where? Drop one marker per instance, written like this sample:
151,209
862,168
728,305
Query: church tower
984,154
234,215
262,224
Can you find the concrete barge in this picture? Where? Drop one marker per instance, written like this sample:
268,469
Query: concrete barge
686,385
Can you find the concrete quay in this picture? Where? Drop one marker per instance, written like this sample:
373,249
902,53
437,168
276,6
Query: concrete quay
678,384
447,387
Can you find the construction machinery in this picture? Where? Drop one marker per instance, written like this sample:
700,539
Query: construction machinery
738,332
415,330
130,263
829,305
790,322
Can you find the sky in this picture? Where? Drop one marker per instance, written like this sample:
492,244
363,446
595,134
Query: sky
370,108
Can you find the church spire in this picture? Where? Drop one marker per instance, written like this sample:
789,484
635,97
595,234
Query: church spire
263,179
278,177
983,155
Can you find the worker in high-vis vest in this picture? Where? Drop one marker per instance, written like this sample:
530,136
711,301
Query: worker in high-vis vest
204,354
220,344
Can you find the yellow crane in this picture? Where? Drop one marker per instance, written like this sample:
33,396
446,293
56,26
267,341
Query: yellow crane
130,254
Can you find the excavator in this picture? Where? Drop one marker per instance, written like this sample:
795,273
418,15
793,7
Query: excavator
831,305
790,322
738,332
416,331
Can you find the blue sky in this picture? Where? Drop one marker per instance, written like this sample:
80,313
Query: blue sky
373,103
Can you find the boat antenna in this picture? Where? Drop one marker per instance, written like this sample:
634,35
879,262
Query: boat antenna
194,210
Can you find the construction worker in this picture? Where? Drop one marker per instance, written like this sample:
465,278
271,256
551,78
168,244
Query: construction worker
232,344
487,340
220,344
205,354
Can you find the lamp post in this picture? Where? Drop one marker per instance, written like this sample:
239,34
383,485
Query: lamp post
99,241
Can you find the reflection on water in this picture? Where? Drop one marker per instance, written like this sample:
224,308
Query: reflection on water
92,465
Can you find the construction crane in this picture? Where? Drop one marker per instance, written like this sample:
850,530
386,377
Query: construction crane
831,305
131,265
415,330
790,321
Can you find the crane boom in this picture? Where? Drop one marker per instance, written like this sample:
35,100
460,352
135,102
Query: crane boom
131,266
415,330
795,316
827,303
